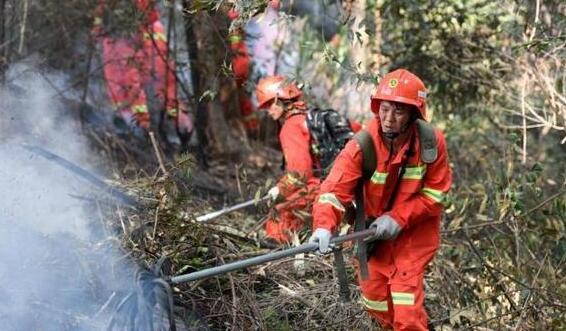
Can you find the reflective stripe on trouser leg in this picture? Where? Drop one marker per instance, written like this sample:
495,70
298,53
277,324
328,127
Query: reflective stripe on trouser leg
401,298
407,296
375,294
374,304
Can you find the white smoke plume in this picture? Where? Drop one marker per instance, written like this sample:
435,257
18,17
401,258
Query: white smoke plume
58,266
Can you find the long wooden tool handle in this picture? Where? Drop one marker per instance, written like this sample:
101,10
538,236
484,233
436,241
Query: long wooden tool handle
305,248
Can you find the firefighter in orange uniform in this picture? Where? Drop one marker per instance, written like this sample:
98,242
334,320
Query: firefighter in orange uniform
159,71
135,55
402,201
241,64
355,125
298,186
115,30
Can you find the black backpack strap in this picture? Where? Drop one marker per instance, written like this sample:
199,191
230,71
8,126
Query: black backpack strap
367,146
429,148
369,164
429,152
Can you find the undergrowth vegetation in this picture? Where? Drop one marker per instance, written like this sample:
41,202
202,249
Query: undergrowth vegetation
497,88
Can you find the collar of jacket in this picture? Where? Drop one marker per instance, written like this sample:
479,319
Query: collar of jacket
403,147
296,108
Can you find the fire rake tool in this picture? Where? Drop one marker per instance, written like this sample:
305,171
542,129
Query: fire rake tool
155,291
215,214
304,248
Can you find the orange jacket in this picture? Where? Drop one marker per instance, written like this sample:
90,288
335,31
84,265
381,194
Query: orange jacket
417,206
240,58
295,144
355,125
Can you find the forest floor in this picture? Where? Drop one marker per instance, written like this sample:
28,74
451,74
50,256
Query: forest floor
289,294
299,293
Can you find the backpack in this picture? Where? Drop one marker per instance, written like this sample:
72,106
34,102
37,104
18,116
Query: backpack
329,132
429,150
429,153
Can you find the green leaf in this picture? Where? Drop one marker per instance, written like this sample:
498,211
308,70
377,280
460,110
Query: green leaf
208,94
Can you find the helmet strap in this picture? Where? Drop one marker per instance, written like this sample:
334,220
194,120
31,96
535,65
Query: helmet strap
293,106
391,135
394,135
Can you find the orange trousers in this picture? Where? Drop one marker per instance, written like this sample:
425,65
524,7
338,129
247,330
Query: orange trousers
393,297
290,215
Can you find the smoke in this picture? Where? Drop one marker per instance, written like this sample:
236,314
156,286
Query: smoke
59,267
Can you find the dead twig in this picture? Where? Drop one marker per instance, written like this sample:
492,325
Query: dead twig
544,202
155,222
234,296
528,298
158,154
498,284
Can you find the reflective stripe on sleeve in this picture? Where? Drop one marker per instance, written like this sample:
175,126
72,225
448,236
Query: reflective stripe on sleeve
410,173
414,172
235,38
250,117
404,299
159,36
374,304
379,177
434,195
139,109
330,198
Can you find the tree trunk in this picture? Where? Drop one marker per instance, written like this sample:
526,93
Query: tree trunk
3,61
208,47
201,116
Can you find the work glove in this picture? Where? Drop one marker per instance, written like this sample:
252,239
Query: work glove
273,193
385,228
322,237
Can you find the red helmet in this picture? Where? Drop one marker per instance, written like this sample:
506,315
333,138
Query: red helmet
272,87
400,86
